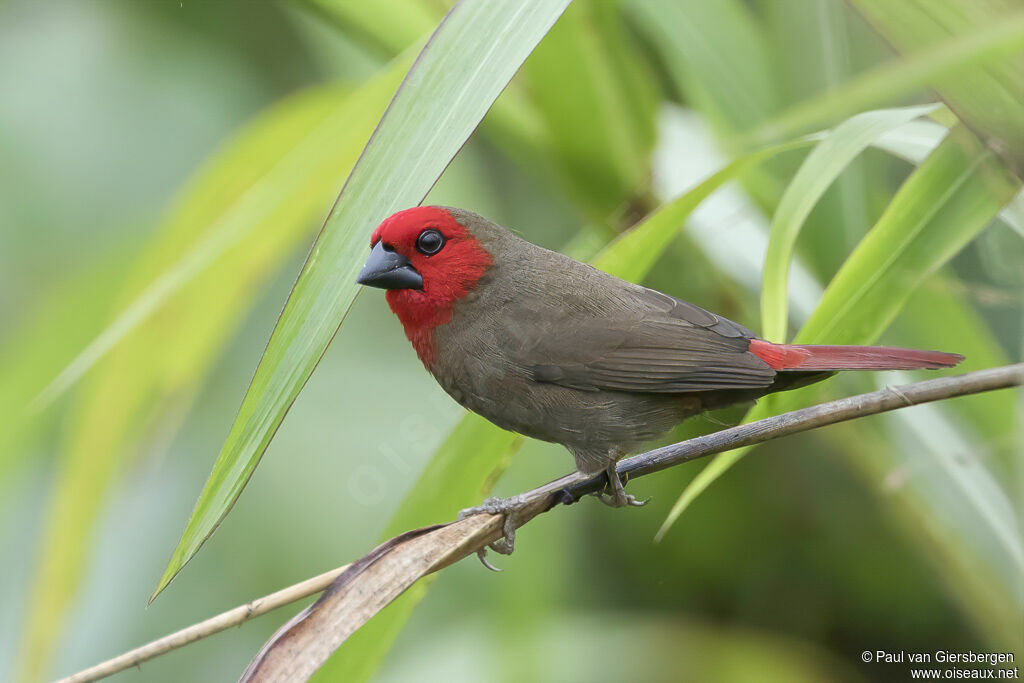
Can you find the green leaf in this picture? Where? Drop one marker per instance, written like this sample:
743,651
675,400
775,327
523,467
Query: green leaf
461,474
941,207
717,53
513,124
896,79
469,60
939,525
264,180
821,168
36,348
986,98
392,25
939,311
632,255
984,425
601,120
1013,214
915,141
233,224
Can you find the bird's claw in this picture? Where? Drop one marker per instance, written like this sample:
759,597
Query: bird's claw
627,499
509,507
614,495
482,554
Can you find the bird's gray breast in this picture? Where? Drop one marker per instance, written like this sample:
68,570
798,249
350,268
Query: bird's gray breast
525,316
482,351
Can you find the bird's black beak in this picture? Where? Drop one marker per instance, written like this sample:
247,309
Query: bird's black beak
389,270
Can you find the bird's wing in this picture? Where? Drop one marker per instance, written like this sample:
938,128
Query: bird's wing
648,342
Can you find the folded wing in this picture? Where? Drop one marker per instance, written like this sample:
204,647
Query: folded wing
648,342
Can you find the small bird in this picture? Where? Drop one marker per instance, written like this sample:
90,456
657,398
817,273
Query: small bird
552,348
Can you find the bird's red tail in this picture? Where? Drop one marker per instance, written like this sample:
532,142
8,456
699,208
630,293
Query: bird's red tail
809,357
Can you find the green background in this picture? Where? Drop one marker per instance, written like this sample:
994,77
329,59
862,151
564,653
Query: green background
122,124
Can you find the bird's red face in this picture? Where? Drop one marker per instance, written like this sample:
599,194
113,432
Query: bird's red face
428,262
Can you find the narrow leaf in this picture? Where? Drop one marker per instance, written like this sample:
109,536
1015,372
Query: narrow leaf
234,223
632,255
469,60
896,79
717,53
940,208
601,120
942,528
63,319
822,166
988,99
461,474
390,25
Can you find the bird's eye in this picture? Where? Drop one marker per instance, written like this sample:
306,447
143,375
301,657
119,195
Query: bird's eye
430,241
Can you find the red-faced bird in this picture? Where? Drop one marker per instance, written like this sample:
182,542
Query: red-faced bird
555,349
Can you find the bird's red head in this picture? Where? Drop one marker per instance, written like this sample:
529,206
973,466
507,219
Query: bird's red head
427,261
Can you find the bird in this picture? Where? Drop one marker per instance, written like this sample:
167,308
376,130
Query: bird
555,349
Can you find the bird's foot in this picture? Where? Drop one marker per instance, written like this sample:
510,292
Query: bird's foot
627,499
509,507
615,494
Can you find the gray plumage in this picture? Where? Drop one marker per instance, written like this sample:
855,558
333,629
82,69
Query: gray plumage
560,351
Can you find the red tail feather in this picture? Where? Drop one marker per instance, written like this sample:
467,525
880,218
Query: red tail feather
809,357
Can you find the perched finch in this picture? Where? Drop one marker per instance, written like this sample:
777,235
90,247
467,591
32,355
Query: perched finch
555,349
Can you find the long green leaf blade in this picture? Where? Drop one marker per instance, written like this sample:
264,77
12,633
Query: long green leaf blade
469,60
460,474
632,255
259,195
601,121
821,168
390,25
940,208
983,45
717,53
987,99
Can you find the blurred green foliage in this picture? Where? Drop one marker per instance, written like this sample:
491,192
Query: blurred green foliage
166,165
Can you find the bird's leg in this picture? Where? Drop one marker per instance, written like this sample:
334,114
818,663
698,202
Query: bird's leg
615,495
499,506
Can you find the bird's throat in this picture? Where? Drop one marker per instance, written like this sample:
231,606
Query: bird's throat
446,284
420,315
